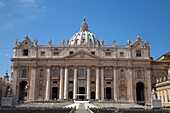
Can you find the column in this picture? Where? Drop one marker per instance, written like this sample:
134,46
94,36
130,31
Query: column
158,94
75,83
88,83
169,71
32,83
61,83
97,83
162,96
66,83
102,83
47,96
148,78
14,81
168,94
115,84
17,92
130,84
165,94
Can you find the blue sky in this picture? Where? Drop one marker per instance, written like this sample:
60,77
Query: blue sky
107,19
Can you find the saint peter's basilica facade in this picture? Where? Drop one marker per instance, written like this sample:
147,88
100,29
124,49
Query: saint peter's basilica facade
82,68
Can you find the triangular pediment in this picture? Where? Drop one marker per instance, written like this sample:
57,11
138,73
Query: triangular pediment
26,43
81,55
138,42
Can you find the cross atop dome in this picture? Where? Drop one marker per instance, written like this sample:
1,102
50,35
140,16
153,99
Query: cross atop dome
84,19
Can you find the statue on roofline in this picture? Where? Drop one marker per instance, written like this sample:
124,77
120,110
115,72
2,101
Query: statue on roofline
114,42
36,41
102,42
63,41
49,42
16,42
153,94
67,41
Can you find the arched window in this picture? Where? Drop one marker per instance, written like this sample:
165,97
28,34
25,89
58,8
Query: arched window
41,73
139,74
82,72
71,73
24,73
108,72
56,73
93,73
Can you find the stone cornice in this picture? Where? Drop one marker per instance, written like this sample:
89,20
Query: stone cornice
148,68
15,67
33,67
165,83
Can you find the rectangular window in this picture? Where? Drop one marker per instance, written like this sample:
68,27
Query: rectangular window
121,54
138,53
108,53
71,52
108,82
25,52
42,53
92,52
55,53
71,82
55,82
92,82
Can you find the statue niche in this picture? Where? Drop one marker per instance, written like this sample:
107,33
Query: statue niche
122,92
122,86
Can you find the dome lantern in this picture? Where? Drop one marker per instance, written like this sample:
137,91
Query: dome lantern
84,25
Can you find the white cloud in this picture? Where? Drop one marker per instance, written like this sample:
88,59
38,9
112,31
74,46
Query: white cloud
28,3
5,53
7,25
20,12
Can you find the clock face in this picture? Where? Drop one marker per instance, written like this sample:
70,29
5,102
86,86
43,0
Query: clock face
82,55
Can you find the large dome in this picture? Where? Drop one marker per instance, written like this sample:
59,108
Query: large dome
84,36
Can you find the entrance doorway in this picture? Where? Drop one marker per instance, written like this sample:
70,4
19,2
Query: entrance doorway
81,91
23,91
92,95
70,95
140,97
108,93
55,93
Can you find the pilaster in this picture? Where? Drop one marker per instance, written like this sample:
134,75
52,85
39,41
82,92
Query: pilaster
148,78
15,74
115,83
47,96
32,83
130,84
